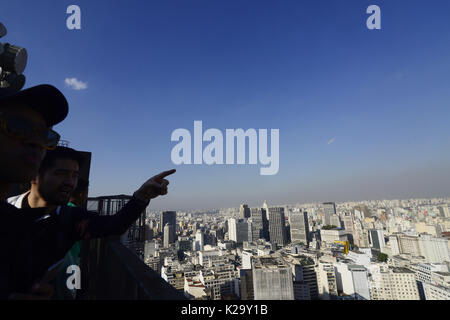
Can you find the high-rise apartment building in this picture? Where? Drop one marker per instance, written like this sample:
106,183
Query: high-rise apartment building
377,239
434,250
444,211
168,236
277,226
238,230
221,280
335,221
299,227
260,225
272,279
438,288
330,236
326,281
436,292
168,217
424,276
246,284
347,221
244,211
305,278
199,241
393,283
352,280
329,209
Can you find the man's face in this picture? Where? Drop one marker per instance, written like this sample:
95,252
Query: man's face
56,184
20,158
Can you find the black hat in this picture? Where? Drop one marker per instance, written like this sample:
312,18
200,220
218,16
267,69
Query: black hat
44,98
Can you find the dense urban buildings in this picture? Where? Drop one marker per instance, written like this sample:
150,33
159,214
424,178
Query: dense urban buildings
371,250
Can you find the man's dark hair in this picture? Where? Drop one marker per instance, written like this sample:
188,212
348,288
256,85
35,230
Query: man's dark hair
57,154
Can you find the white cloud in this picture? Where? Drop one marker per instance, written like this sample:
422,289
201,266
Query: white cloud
331,140
75,84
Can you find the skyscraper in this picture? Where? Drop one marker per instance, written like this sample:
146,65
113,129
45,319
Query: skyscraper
170,218
348,223
259,224
232,229
244,211
277,226
238,230
329,209
299,227
377,239
168,236
199,241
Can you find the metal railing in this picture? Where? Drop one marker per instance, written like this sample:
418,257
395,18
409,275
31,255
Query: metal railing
111,271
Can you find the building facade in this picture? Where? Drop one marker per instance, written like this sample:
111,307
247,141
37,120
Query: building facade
299,227
277,226
272,279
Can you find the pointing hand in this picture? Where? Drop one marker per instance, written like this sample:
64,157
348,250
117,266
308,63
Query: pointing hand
153,187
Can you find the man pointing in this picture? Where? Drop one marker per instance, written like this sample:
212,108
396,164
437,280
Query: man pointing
57,226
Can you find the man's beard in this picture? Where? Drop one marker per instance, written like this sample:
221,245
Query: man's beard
51,198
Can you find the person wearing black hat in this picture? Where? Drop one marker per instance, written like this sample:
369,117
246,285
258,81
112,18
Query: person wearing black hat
26,121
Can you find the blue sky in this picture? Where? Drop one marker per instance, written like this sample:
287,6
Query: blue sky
362,114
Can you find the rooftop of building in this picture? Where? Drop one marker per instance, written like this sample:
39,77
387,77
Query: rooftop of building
268,262
300,259
443,273
402,270
356,267
400,258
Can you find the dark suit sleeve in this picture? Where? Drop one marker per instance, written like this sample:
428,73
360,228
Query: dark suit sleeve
91,225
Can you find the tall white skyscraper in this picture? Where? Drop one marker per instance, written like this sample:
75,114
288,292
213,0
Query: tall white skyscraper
232,229
167,239
199,241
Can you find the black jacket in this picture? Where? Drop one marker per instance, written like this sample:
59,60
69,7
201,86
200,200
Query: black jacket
16,243
50,236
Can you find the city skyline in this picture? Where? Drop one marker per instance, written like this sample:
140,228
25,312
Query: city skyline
258,205
391,250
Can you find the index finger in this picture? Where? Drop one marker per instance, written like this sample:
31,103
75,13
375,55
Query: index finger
165,174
